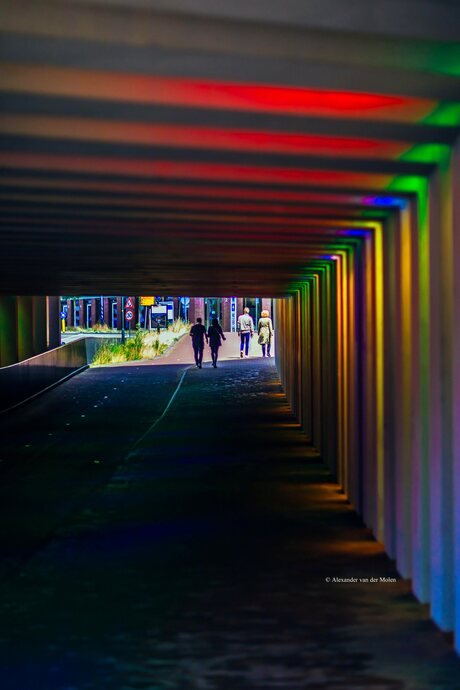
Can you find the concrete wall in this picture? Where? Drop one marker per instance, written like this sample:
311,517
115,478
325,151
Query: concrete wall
29,325
21,380
368,350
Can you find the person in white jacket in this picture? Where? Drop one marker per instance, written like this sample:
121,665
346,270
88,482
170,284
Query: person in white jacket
245,328
265,331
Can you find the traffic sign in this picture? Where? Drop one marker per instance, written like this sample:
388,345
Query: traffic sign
129,304
129,314
147,301
233,314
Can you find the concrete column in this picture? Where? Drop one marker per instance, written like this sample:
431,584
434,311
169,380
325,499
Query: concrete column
196,309
368,408
379,260
82,313
325,363
359,347
40,340
420,421
277,306
324,326
25,327
316,357
330,372
94,312
346,390
54,325
299,352
286,362
456,393
305,327
353,489
8,330
191,310
391,381
441,398
266,304
348,377
402,400
175,302
108,312
226,308
341,374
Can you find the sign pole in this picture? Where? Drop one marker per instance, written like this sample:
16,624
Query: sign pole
122,316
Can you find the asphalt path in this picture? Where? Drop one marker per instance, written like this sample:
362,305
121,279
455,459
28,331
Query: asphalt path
193,553
63,445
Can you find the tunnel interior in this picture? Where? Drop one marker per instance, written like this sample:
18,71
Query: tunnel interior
294,153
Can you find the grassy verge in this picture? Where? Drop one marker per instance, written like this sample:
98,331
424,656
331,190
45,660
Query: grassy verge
97,328
143,346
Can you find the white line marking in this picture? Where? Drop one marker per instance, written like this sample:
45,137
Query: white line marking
158,420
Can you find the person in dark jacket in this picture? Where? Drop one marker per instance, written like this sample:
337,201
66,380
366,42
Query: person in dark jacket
215,336
198,334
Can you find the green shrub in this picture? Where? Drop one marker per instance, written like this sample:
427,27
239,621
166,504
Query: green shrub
179,326
134,347
142,345
104,354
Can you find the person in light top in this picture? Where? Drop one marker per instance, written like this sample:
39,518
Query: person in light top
266,332
245,328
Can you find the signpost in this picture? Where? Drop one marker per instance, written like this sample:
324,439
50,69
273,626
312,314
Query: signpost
128,310
160,316
147,302
122,318
233,314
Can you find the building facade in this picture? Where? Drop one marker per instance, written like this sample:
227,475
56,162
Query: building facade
91,311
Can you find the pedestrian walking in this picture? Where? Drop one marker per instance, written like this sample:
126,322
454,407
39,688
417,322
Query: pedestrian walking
266,332
215,337
198,334
245,328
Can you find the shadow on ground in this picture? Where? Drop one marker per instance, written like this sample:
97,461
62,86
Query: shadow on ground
199,561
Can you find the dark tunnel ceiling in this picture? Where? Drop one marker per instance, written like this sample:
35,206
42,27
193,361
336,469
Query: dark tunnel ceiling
197,148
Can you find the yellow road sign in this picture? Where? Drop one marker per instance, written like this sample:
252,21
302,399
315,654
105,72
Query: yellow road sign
147,301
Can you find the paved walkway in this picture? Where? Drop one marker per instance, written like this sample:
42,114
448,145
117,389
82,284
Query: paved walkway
182,352
199,560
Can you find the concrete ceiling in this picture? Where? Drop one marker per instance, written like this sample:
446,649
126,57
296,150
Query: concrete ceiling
192,147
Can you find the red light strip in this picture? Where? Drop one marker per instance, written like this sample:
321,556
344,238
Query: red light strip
193,171
99,85
198,137
181,190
